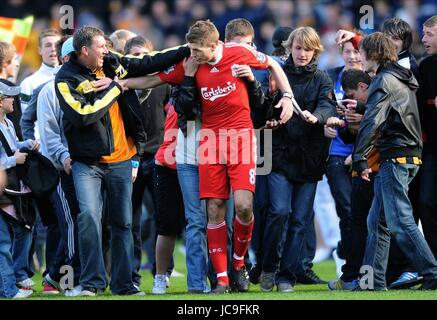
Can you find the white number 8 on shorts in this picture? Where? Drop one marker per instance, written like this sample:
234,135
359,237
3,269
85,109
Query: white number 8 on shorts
252,176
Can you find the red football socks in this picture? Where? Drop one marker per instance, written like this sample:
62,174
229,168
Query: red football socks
217,247
242,237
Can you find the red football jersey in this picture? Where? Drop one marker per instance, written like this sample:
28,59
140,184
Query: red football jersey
223,96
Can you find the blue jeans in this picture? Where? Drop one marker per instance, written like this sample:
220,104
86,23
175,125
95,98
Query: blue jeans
292,202
8,287
195,229
309,248
340,183
391,213
117,181
260,207
20,250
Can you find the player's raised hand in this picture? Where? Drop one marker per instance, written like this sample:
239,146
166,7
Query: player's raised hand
244,71
190,66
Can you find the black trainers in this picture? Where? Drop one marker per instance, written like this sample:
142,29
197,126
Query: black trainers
254,274
429,285
135,292
239,280
309,277
220,289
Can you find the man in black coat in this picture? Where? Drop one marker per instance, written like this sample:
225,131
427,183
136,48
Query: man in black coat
427,99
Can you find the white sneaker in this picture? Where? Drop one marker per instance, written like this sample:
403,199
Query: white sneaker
159,284
338,263
88,293
22,294
25,284
176,274
75,292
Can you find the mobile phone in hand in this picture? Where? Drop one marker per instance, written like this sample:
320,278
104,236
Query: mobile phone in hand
349,103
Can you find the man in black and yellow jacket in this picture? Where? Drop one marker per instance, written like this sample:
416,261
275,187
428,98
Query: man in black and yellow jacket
105,131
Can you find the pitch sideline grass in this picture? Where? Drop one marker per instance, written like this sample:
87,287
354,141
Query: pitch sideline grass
178,291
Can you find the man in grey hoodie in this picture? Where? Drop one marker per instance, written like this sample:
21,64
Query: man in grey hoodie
54,146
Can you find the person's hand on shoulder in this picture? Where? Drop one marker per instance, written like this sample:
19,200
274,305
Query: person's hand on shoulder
102,83
190,66
244,71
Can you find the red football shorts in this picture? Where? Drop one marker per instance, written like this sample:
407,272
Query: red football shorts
226,160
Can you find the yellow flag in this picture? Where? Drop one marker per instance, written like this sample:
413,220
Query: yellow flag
16,31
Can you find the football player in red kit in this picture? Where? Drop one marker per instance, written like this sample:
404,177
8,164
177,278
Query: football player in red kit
227,150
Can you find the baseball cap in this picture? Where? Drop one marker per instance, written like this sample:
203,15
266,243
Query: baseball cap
8,90
67,47
280,35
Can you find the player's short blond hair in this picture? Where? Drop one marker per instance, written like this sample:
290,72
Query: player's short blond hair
307,37
203,33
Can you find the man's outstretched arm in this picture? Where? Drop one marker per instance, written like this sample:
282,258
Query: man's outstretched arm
140,83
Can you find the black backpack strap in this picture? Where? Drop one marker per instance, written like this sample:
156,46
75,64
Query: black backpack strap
6,144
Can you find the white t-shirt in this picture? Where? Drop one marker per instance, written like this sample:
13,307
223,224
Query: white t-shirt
186,148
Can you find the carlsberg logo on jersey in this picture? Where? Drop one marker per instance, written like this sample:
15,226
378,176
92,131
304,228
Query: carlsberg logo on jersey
212,94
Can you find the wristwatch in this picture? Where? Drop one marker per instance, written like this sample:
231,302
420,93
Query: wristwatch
287,95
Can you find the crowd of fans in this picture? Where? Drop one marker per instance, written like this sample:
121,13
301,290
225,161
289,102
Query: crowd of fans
165,22
367,123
